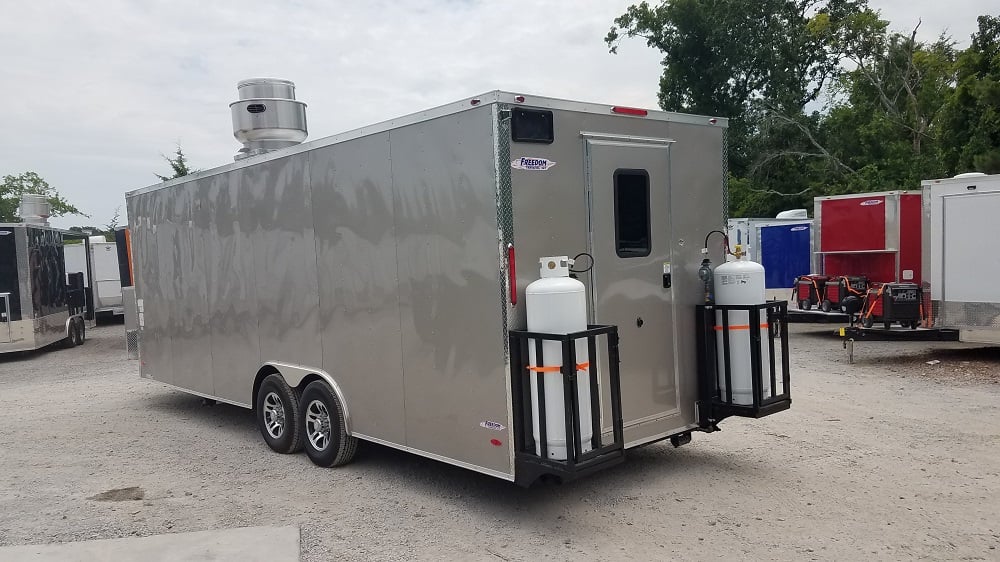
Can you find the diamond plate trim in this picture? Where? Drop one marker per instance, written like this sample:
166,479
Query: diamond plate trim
966,314
132,344
725,176
505,210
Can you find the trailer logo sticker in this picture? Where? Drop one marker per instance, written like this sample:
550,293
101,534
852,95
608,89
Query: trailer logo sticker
527,163
495,426
869,202
799,228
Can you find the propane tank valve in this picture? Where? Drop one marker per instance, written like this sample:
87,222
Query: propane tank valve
705,275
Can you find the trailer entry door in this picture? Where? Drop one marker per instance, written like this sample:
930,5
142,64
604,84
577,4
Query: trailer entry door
628,195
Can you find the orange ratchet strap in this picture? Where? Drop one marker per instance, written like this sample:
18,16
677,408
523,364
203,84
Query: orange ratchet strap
740,327
579,367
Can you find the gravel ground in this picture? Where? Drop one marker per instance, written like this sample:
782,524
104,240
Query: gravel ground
887,458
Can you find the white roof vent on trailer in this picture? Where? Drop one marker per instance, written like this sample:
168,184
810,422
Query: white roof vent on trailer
35,209
793,214
970,175
267,116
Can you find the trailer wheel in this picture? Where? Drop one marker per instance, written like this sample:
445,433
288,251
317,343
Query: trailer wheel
73,336
805,304
826,306
887,325
81,332
278,415
867,321
326,440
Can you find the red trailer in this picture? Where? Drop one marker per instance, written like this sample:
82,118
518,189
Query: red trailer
872,234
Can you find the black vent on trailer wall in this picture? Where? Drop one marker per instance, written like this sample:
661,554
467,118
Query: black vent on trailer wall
8,273
531,125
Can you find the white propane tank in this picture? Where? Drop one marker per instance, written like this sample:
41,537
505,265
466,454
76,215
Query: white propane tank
741,282
557,304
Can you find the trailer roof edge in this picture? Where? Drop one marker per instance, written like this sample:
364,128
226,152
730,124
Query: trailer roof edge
465,104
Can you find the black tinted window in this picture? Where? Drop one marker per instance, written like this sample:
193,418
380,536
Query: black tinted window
632,213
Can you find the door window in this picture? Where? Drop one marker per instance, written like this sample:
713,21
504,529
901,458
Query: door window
632,234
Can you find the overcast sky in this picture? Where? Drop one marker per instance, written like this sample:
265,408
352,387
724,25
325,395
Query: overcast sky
94,92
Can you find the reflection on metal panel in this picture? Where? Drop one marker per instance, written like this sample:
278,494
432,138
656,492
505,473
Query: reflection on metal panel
446,227
284,261
232,290
190,333
352,211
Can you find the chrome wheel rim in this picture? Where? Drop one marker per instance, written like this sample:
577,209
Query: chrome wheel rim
274,415
318,425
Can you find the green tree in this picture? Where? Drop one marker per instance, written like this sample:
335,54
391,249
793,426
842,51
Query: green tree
742,59
13,186
971,124
882,129
178,165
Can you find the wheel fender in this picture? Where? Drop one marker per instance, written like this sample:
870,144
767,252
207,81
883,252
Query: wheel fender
69,323
294,374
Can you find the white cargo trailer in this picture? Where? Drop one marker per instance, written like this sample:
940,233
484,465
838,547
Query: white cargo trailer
371,285
106,287
960,220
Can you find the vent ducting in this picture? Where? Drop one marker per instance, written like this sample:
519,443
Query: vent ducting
267,116
35,209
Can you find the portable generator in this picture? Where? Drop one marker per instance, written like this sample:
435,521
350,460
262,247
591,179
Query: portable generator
845,293
809,290
893,302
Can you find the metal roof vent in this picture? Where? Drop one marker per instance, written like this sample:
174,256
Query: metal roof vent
35,209
267,116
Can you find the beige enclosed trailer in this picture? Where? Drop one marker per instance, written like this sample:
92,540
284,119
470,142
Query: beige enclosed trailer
370,285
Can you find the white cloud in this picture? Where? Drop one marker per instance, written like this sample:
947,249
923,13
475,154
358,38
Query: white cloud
94,92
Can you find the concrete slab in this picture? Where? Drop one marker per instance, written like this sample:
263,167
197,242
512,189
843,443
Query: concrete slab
273,544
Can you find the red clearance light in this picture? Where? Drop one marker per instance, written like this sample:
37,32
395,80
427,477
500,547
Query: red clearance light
474,101
511,275
519,99
621,110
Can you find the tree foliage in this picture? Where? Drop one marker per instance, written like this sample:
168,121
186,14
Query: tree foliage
823,98
13,186
178,165
971,135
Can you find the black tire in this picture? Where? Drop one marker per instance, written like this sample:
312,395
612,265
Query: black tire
826,306
324,431
70,339
914,324
277,412
73,334
805,304
81,332
867,321
887,325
